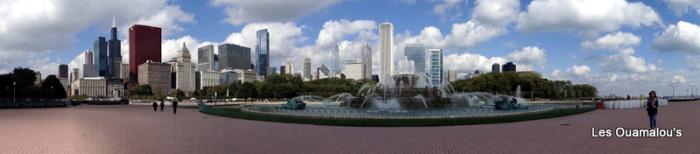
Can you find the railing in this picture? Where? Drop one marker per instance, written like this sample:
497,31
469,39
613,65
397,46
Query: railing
320,112
631,104
33,103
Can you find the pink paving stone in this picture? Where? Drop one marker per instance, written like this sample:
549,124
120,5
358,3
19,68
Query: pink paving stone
137,129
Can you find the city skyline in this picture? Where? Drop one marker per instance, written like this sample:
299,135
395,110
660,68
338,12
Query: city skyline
617,54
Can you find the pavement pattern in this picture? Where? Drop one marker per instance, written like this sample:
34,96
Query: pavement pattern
137,129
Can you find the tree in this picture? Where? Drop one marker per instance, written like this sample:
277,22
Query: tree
143,90
52,88
179,94
247,90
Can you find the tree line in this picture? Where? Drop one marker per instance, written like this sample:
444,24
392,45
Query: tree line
21,83
274,86
531,84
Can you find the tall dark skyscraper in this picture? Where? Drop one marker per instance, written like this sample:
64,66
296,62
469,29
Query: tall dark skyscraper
233,56
114,56
144,44
262,52
99,50
63,71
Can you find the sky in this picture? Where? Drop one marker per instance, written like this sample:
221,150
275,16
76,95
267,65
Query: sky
621,47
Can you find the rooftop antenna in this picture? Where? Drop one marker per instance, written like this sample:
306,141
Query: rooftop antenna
114,21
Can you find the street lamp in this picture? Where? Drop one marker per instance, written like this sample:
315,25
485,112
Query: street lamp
674,90
14,90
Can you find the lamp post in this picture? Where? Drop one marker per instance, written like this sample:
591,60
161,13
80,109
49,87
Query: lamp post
14,90
692,90
674,90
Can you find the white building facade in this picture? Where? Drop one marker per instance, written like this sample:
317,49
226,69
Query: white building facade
184,71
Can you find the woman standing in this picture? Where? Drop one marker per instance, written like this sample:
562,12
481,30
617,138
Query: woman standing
652,108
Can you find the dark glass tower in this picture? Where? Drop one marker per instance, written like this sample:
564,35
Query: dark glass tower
262,51
100,56
114,57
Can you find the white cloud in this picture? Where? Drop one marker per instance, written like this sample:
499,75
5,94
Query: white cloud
683,36
42,27
489,20
284,38
678,79
335,31
251,11
170,48
614,41
167,19
528,58
448,9
682,6
625,61
586,16
579,70
496,12
573,72
468,62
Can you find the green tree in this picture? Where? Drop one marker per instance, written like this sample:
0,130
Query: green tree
142,90
247,90
52,88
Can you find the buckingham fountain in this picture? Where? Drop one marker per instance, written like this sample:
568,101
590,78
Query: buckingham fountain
407,95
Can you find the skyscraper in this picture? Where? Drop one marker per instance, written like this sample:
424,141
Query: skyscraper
451,75
184,70
416,53
306,66
335,61
496,68
88,66
205,58
289,68
262,52
436,72
144,44
283,70
386,61
99,56
63,71
366,62
509,67
233,56
114,56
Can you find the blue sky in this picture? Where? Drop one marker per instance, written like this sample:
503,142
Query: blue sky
632,46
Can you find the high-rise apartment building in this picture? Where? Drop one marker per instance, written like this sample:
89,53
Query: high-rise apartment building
262,52
232,56
205,58
386,61
416,53
306,66
496,68
99,57
436,69
366,62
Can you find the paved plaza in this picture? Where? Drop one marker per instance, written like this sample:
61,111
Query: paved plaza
137,129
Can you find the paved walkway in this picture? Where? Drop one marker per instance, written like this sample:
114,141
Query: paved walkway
137,129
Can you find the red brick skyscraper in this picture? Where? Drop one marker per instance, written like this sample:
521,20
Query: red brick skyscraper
144,44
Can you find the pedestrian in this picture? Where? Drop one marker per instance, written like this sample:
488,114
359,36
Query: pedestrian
175,107
162,105
155,106
652,108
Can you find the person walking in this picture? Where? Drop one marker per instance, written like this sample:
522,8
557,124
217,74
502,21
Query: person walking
175,107
155,106
652,108
162,105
